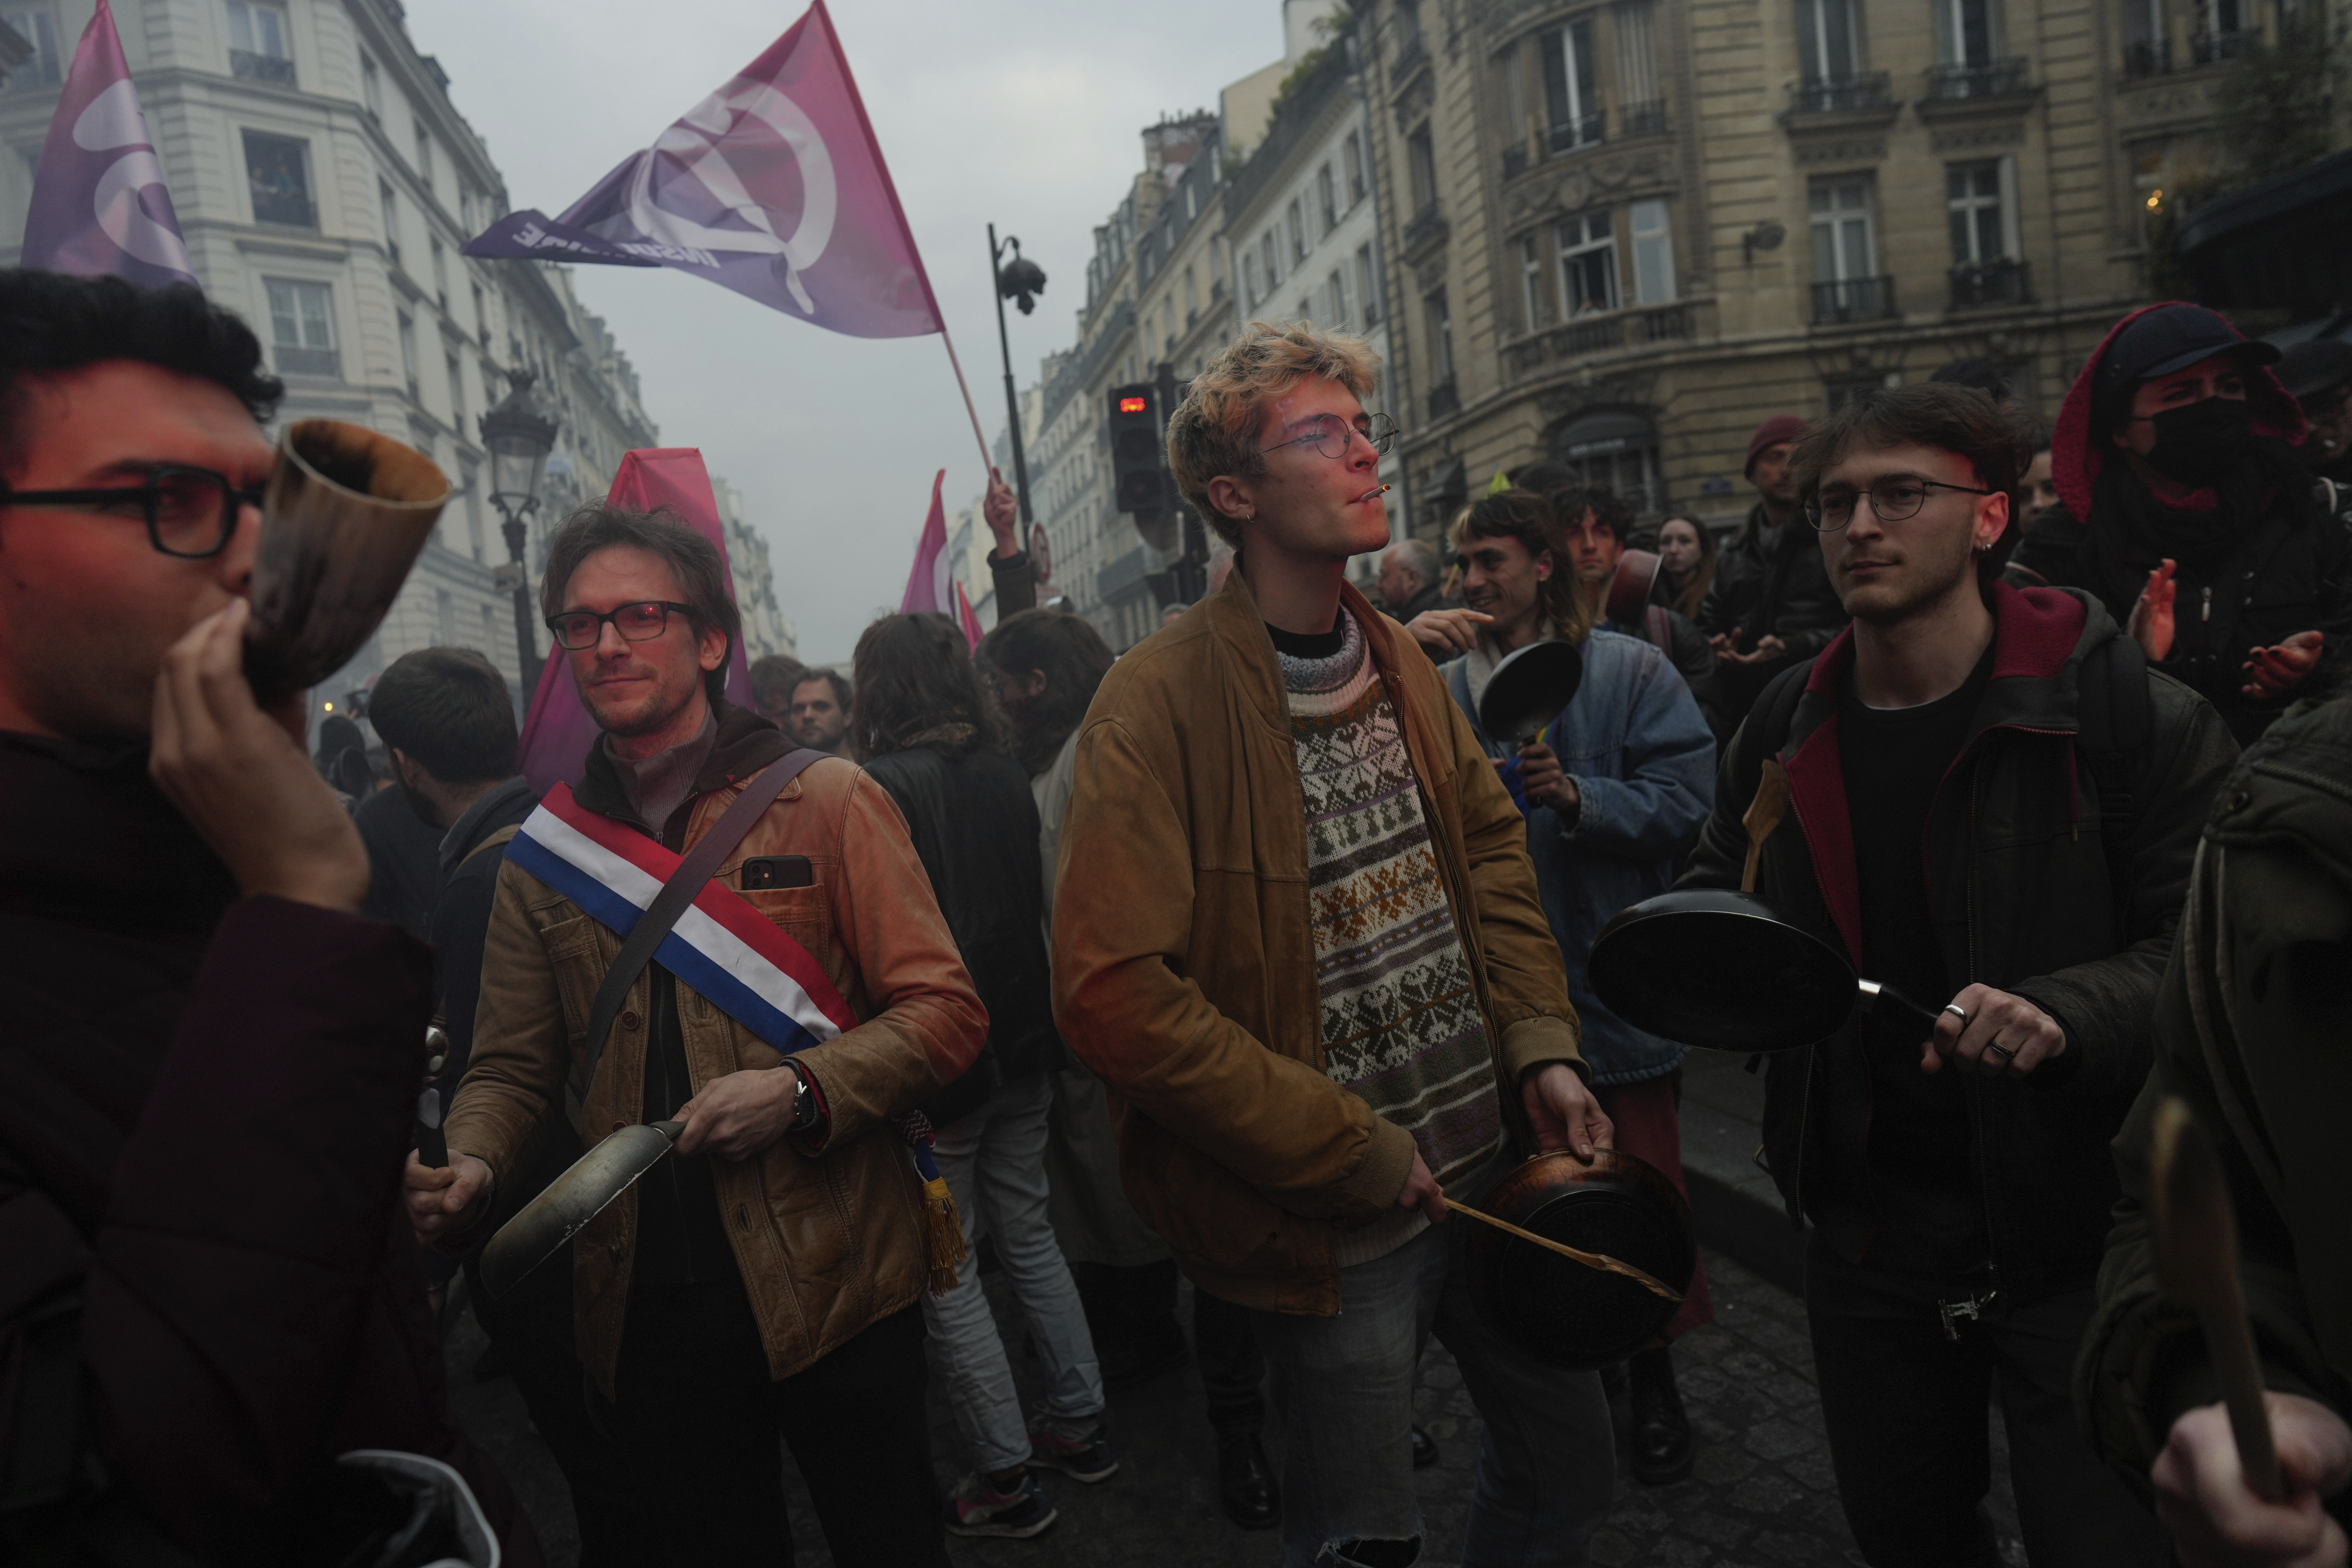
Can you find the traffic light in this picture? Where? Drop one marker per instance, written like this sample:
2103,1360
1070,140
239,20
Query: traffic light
1138,463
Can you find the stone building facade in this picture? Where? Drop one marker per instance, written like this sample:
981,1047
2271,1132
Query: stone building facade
1622,232
325,181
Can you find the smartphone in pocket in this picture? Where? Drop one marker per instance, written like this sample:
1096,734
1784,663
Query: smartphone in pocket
777,871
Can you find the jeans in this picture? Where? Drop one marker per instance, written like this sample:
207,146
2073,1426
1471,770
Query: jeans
995,1162
1906,1407
698,1418
1343,1387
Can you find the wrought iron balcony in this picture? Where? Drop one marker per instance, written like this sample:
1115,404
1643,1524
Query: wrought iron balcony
1567,135
261,67
1988,79
2219,49
1853,300
2147,58
1988,285
1642,119
1426,230
1444,398
1842,95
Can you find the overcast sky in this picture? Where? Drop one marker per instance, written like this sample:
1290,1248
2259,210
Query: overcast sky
1023,113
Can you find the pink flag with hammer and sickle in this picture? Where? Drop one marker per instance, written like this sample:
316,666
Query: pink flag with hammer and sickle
771,187
99,202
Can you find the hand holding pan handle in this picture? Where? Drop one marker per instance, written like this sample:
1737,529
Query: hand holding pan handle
1887,1003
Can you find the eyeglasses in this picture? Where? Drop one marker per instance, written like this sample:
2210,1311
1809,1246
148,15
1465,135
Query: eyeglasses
641,622
1332,436
1892,499
191,513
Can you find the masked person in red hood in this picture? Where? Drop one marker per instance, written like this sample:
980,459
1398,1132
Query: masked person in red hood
2184,507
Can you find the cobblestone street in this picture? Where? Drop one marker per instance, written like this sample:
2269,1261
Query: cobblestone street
1762,1494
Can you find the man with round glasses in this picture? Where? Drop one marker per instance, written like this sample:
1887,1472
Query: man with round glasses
1991,807
211,1072
1307,960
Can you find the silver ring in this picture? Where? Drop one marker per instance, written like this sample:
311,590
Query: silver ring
2004,1052
1956,1011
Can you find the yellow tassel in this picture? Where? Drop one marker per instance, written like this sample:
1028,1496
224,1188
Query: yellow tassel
943,1234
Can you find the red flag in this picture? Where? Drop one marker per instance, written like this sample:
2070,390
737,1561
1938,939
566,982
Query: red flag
557,730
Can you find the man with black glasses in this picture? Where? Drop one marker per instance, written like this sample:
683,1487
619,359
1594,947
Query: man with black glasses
1991,807
210,1073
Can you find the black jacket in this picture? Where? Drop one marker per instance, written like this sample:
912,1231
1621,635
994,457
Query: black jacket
974,824
205,1105
2025,901
460,922
1783,590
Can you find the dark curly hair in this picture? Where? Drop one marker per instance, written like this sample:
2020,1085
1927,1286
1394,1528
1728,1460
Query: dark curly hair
1074,658
51,322
915,678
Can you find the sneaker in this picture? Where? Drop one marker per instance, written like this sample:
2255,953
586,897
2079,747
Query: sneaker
977,1508
1087,1457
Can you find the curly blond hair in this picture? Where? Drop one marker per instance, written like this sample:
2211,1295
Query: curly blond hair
1214,430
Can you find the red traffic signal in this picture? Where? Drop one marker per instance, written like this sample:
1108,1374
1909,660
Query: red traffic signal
1135,405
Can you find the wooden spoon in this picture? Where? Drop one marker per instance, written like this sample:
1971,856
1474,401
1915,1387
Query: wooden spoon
1764,815
1599,1260
2197,1261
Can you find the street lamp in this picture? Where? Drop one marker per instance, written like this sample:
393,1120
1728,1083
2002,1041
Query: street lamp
519,438
1020,281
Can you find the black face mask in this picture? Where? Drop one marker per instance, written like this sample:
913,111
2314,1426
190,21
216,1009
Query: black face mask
2200,443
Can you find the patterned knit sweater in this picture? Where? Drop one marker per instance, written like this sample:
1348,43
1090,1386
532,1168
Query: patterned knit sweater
1400,1025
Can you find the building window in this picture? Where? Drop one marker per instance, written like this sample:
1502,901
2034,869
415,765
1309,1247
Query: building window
1368,285
481,314
424,155
38,26
1297,231
391,205
469,487
1336,287
1354,159
2146,52
1420,162
444,616
1979,217
371,85
1588,264
258,43
1846,284
1641,105
1654,252
1826,43
1273,266
278,171
1964,33
1250,295
1327,189
301,327
1571,97
1614,451
457,374
1532,280
1440,339
441,272
408,356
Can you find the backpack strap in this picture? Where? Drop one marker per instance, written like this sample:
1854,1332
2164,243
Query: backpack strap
495,841
1661,630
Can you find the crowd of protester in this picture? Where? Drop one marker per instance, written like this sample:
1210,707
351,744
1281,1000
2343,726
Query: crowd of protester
1233,959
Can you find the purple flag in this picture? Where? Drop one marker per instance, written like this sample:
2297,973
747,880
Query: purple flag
771,187
99,202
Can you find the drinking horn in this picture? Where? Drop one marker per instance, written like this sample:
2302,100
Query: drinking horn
345,516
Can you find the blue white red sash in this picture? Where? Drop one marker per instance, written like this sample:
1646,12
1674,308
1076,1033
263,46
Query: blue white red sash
721,946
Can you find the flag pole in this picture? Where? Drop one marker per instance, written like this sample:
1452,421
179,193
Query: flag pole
987,463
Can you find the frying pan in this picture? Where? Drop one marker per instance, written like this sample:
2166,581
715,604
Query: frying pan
1628,591
1732,971
1528,690
1564,1313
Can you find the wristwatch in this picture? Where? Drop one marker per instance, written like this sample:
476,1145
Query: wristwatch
803,1099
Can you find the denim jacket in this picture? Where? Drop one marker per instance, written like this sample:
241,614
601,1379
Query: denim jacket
1644,762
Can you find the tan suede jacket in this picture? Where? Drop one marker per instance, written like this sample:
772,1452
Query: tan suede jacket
1184,960
828,1233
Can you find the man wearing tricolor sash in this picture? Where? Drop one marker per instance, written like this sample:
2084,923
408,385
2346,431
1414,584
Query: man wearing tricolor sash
763,1282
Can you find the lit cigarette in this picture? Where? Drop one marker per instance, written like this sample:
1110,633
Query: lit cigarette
1385,489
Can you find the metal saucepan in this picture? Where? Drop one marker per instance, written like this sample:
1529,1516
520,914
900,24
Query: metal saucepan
1528,690
1629,590
1732,971
547,1224
346,515
1565,1313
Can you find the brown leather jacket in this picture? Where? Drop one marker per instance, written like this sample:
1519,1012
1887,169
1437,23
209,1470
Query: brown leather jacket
1184,962
828,1231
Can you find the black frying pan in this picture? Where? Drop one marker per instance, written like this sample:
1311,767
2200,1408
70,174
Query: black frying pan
1528,690
1702,966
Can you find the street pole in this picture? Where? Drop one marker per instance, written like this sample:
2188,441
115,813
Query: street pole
1012,398
526,641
